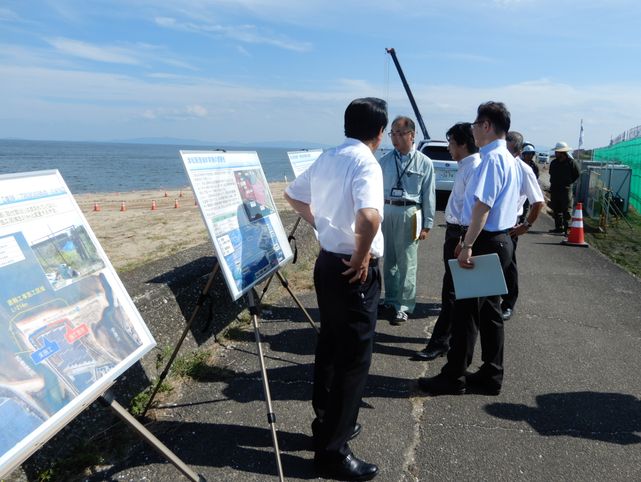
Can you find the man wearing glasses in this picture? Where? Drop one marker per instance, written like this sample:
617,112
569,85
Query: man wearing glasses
489,212
409,189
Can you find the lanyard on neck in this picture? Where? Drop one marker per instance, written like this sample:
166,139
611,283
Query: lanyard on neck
398,158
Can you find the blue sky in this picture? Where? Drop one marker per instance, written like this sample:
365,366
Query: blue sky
267,70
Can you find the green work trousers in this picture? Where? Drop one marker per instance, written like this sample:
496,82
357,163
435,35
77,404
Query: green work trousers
401,248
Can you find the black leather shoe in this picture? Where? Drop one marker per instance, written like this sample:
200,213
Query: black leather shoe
347,468
556,230
431,353
507,314
440,385
479,383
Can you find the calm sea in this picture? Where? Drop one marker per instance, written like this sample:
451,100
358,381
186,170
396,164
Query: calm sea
111,167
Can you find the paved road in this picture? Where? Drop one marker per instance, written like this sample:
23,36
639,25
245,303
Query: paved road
569,410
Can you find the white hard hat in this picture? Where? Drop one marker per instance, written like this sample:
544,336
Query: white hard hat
528,148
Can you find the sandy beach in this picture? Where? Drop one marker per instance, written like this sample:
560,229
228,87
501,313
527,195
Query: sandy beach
139,234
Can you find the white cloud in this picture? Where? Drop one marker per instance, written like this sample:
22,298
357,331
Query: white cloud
243,33
77,48
103,106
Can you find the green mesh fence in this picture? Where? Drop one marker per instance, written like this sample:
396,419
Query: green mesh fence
628,153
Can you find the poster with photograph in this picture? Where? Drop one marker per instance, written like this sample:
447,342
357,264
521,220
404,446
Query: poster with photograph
301,160
68,328
240,215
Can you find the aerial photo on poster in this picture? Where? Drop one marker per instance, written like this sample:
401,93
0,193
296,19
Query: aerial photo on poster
240,215
68,328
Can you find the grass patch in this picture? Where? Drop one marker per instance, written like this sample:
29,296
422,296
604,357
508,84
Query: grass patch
621,242
140,401
192,365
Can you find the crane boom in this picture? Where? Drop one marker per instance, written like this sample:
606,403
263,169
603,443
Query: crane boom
419,118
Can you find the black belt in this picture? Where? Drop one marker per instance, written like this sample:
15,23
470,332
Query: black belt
494,233
454,226
401,202
372,260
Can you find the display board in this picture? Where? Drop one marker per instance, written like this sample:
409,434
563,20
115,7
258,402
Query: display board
301,160
68,328
240,215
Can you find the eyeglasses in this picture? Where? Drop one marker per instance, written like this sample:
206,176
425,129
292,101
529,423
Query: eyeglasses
478,122
398,133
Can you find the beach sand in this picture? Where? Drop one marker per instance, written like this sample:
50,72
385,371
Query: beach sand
139,234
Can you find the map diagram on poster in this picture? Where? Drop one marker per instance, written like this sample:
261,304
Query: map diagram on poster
240,215
68,328
301,160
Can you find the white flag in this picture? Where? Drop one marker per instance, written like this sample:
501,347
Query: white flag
581,135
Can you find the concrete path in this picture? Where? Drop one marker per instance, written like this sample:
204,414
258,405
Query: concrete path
569,410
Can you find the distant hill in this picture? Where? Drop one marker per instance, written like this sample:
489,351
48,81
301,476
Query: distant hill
197,142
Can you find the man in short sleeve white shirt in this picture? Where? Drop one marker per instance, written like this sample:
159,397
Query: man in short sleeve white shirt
531,192
464,151
489,212
341,195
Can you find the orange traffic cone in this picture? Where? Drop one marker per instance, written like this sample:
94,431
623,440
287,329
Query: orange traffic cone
153,205
575,238
176,205
96,207
123,207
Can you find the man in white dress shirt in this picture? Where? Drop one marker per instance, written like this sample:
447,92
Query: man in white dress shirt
530,193
464,151
489,212
341,195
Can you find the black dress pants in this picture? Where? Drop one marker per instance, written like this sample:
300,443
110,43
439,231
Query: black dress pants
511,280
348,315
443,328
484,315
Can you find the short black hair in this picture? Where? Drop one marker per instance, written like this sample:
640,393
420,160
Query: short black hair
497,114
365,117
462,135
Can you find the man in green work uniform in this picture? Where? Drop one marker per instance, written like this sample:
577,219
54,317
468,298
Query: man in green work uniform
409,189
564,170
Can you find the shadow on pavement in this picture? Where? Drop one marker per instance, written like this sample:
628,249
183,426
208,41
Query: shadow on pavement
244,449
607,417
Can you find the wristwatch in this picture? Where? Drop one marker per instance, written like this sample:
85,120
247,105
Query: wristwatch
527,224
464,245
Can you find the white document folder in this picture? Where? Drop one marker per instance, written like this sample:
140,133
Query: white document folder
485,279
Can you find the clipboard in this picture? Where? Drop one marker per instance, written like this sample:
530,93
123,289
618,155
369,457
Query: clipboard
485,279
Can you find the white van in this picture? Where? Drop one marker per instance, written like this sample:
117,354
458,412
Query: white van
444,166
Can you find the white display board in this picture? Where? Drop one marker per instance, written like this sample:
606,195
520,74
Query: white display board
301,160
68,328
240,215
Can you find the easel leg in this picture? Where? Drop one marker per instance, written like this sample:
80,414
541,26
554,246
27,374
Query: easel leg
199,303
291,235
108,400
271,417
285,284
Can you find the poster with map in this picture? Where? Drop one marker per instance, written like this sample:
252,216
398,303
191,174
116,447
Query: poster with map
68,328
301,160
240,215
